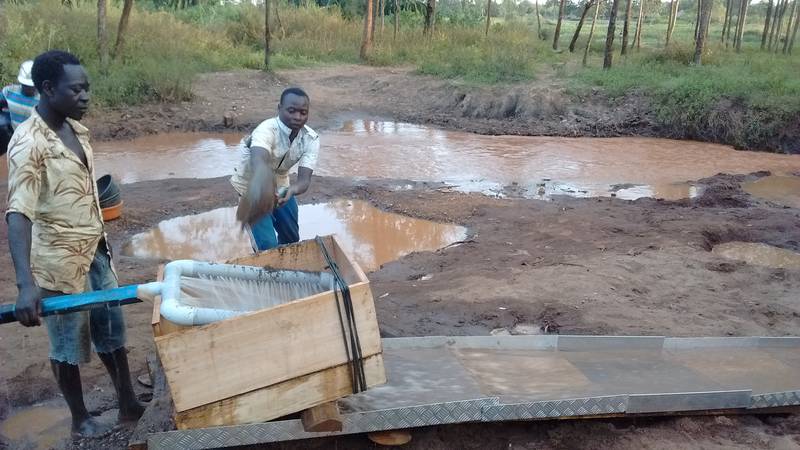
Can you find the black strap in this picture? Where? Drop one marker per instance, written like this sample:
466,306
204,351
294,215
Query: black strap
352,343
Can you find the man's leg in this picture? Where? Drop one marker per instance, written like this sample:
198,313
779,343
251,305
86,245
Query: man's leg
284,219
69,345
262,234
107,327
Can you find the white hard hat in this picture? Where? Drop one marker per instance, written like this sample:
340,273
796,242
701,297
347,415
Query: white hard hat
25,76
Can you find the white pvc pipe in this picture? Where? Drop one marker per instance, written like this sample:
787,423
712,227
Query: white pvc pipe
180,314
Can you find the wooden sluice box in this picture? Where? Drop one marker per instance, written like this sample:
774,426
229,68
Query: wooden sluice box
275,361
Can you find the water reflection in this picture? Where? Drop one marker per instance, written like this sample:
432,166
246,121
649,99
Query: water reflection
372,236
784,190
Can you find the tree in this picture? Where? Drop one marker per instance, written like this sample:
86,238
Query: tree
730,25
637,37
122,28
612,26
102,34
591,33
557,33
539,22
767,20
396,19
578,28
789,28
626,27
740,27
780,24
673,15
267,34
794,32
366,42
430,17
382,7
776,12
705,17
488,15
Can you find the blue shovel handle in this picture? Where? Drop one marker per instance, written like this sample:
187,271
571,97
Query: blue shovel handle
64,304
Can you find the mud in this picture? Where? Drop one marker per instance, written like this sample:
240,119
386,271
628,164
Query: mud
571,265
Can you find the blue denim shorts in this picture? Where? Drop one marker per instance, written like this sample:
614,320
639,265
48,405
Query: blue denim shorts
70,334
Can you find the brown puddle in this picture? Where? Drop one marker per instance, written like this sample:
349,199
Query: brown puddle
783,190
759,254
544,166
39,427
372,236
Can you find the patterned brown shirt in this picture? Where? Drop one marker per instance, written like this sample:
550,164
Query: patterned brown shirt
50,185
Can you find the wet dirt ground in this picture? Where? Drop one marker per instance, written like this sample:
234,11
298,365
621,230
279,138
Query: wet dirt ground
571,265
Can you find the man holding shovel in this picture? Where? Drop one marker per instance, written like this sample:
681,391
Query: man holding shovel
267,207
57,239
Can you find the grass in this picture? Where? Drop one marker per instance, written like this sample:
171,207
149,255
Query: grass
166,50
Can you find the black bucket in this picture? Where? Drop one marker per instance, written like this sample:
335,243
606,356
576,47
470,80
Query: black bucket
108,191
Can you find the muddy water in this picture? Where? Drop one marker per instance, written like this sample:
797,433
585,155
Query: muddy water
784,190
39,427
372,236
544,166
759,254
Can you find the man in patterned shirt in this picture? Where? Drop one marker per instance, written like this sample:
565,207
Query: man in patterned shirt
57,240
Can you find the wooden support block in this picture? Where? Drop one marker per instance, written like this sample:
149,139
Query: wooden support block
324,417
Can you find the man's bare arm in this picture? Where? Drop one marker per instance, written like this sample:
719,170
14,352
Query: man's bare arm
29,299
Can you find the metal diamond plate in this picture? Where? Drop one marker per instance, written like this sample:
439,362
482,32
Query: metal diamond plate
775,399
556,408
289,430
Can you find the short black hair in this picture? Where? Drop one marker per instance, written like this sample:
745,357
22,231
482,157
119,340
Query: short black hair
50,66
294,91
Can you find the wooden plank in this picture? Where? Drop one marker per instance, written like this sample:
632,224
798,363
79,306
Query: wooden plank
322,418
216,361
348,268
304,255
281,399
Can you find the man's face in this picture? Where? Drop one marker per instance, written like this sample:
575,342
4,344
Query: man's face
28,91
70,94
293,111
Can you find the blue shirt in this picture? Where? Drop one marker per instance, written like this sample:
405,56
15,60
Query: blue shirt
20,106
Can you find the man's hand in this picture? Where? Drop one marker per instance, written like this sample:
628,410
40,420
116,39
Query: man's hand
286,195
29,305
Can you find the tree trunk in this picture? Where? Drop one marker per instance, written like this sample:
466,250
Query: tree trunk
366,41
626,27
383,14
277,12
123,27
612,28
637,37
730,27
673,15
396,19
725,20
488,15
742,23
102,34
697,19
429,12
538,22
557,33
267,34
794,32
575,36
705,17
767,20
591,33
774,25
789,28
780,25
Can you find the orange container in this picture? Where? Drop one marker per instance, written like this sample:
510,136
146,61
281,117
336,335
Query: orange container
112,212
